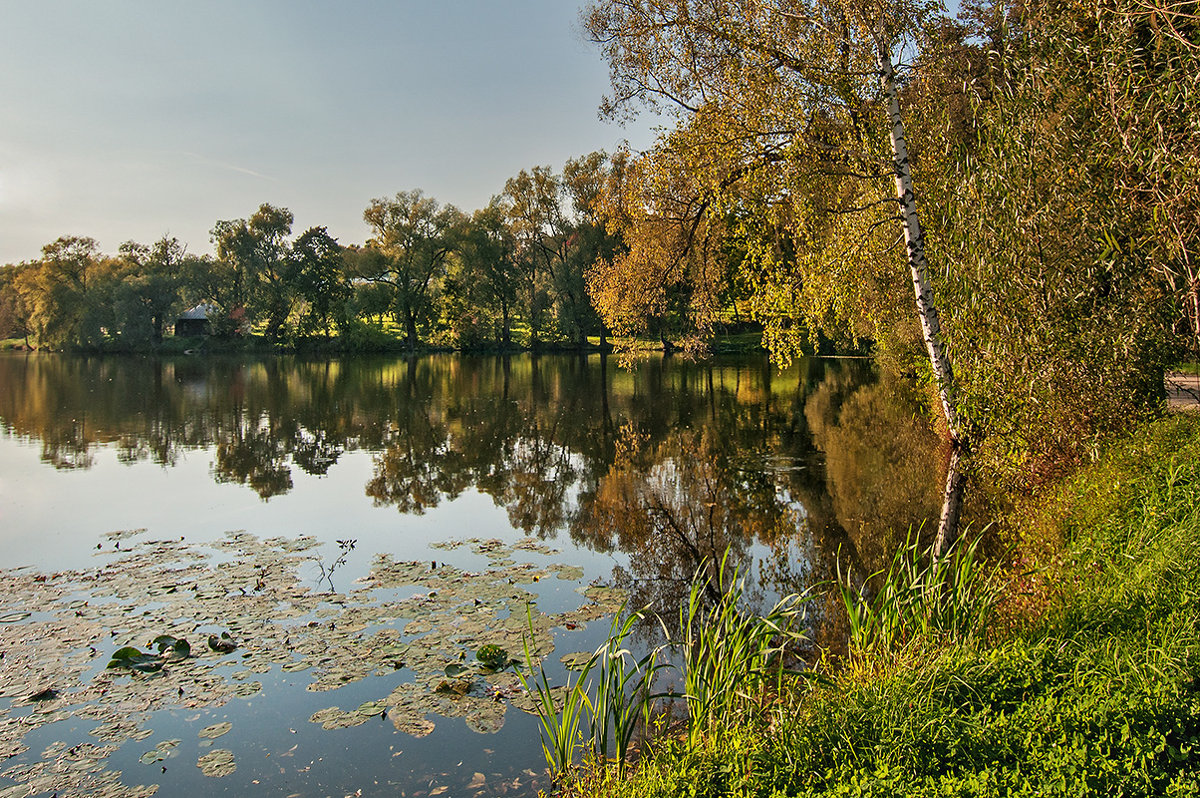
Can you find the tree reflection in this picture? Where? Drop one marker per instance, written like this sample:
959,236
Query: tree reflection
678,504
252,454
879,459
672,463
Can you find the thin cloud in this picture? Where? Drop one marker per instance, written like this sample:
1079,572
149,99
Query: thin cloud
231,167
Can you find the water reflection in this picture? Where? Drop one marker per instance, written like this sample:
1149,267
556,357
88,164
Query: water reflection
669,463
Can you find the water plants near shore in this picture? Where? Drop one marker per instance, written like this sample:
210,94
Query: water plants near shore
1096,692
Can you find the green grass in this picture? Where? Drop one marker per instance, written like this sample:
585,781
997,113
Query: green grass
1099,694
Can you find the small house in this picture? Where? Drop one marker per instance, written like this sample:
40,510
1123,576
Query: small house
195,321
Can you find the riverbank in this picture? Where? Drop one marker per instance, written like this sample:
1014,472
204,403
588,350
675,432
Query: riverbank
1086,683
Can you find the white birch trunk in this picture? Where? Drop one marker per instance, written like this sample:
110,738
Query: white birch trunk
926,309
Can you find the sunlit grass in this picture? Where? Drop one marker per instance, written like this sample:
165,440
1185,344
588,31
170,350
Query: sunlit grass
1098,695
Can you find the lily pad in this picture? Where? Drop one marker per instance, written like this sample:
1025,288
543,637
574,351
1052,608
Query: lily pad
576,660
217,763
150,757
492,656
216,730
223,644
172,647
459,687
135,659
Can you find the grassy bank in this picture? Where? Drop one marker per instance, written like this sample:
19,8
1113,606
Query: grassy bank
1089,685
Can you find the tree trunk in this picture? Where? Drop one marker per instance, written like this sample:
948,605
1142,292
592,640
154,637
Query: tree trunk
926,309
410,327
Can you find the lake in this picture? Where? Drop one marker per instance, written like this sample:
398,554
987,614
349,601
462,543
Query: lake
357,529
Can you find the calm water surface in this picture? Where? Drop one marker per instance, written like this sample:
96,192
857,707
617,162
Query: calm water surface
305,473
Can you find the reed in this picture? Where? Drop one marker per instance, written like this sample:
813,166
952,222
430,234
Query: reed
624,696
559,710
919,595
732,659
617,702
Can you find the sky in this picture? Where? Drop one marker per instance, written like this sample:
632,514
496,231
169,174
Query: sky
134,119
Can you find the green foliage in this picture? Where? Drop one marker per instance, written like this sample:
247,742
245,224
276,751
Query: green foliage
616,704
492,656
560,710
317,278
732,659
1101,696
134,659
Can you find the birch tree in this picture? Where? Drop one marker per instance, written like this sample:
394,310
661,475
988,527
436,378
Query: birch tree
790,128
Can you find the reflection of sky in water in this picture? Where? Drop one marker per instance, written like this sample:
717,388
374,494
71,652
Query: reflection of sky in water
53,519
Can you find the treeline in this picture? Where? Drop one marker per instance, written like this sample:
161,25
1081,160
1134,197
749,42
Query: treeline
510,274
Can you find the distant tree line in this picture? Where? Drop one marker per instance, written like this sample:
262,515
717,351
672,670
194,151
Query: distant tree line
510,274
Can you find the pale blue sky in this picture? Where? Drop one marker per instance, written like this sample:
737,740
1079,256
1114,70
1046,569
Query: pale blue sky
128,119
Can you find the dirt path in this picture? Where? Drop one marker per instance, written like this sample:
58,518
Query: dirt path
1183,391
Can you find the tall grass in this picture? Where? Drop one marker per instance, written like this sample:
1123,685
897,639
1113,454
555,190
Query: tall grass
732,660
559,710
624,697
919,595
616,703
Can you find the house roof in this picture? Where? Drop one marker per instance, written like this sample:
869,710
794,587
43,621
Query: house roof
201,311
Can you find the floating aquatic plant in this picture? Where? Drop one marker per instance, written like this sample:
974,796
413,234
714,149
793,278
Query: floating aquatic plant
493,657
223,644
402,615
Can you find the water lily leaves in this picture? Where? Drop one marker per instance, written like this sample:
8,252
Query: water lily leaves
150,757
214,731
404,614
172,647
247,689
160,752
416,727
223,644
335,718
609,599
576,660
326,716
487,718
372,708
135,659
533,544
458,687
569,573
492,656
217,763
